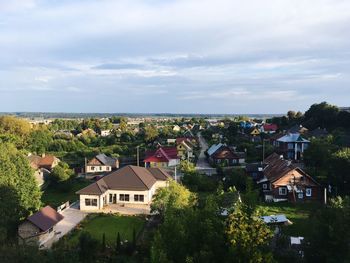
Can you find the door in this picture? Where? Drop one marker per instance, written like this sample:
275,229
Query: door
114,199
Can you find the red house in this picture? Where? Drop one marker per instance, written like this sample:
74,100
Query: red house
162,157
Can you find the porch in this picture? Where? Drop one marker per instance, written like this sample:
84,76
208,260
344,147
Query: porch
127,209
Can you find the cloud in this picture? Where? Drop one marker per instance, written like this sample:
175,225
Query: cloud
181,51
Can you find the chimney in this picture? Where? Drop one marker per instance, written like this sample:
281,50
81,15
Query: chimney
281,157
43,155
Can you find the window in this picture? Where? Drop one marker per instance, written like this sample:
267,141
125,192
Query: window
138,198
110,198
265,186
108,168
124,197
300,195
308,192
92,168
90,202
100,168
282,191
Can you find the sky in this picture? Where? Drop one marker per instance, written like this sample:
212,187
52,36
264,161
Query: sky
173,56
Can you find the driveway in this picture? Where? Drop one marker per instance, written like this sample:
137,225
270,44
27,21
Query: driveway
72,217
202,163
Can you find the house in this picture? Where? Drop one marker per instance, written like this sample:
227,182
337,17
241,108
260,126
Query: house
298,129
102,163
171,141
269,128
191,141
39,227
283,181
105,133
318,133
254,131
162,157
255,171
128,185
222,154
42,166
292,146
176,128
88,132
185,150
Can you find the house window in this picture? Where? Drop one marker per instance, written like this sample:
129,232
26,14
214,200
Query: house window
138,198
92,168
90,202
308,192
100,168
108,168
124,197
282,191
265,186
110,198
300,195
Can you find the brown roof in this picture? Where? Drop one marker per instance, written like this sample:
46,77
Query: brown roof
47,160
127,178
34,161
159,174
46,218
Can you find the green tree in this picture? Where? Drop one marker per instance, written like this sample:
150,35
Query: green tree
175,196
340,163
20,195
61,173
88,247
39,140
151,133
248,236
329,239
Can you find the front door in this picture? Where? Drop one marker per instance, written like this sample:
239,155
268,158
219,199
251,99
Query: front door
114,199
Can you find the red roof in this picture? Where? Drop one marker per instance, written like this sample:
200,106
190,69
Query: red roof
162,154
270,127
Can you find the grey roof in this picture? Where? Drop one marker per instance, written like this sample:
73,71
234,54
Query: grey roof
292,137
214,148
127,178
106,160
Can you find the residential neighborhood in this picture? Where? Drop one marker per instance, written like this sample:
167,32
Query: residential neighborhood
182,131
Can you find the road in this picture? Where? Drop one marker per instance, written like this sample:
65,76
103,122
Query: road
202,163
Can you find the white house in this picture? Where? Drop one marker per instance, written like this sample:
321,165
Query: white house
128,185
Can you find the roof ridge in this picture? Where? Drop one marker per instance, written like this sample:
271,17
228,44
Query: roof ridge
132,168
98,185
164,153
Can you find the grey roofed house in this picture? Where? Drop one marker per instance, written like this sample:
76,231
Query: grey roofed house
46,218
127,178
292,137
106,160
214,148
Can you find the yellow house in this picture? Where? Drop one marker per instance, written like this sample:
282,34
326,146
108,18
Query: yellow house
184,150
254,132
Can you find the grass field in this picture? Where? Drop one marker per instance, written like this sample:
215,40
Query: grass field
110,225
297,213
55,196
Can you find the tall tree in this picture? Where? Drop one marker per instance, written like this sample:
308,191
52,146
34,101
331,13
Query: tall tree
20,195
248,236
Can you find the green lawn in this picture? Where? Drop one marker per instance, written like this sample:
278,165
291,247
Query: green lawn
55,196
110,225
297,213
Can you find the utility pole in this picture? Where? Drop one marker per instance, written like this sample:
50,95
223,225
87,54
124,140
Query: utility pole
175,174
263,149
138,155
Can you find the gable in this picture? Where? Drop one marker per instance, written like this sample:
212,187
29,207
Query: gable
296,176
95,161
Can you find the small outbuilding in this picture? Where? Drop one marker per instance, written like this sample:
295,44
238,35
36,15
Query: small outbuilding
39,227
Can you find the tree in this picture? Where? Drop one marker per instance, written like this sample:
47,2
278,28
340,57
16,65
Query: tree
19,192
13,125
321,115
187,167
329,239
175,196
61,173
87,247
248,236
118,244
340,163
103,242
151,133
39,140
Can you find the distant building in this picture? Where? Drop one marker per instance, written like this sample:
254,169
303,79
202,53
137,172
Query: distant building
222,154
39,227
102,163
105,133
292,146
162,157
